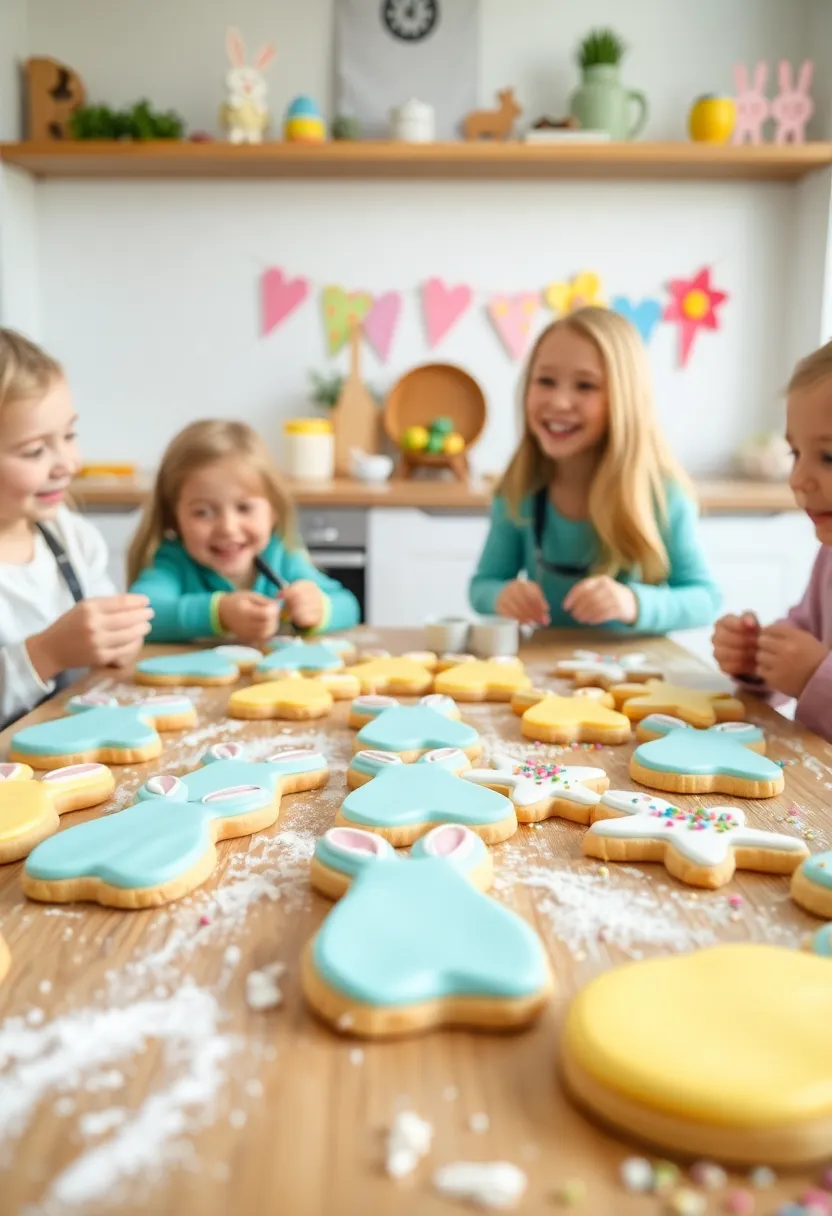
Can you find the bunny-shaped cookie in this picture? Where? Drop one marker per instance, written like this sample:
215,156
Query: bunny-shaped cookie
245,115
792,107
415,945
752,105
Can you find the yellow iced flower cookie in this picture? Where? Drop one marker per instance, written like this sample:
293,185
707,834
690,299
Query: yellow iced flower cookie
696,706
31,810
483,680
294,698
403,676
574,720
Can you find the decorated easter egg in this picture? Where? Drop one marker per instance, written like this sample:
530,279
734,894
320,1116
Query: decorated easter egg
415,439
453,444
303,107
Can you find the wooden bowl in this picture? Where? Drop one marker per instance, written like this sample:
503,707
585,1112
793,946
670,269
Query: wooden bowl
435,390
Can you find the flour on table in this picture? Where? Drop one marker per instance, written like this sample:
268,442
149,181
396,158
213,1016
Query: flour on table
408,1141
495,1185
262,989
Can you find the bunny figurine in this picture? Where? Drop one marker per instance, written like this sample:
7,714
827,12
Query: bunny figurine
752,105
245,115
792,107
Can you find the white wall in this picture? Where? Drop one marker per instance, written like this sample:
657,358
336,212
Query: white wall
149,290
14,41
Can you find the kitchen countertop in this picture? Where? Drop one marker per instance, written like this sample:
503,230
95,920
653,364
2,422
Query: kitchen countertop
718,496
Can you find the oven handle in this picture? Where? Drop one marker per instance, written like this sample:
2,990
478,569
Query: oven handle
346,559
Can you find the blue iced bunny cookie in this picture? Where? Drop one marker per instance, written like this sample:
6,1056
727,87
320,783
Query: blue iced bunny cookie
222,665
403,801
299,657
656,726
713,761
163,846
812,885
99,730
364,708
368,763
821,941
412,730
414,945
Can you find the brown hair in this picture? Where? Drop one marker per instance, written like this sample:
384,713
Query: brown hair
629,487
812,369
26,371
200,444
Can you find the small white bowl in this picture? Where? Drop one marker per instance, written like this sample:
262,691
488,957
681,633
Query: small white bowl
372,468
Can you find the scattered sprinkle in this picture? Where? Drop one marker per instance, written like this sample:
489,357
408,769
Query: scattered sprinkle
665,1176
232,956
479,1122
408,1141
357,1056
571,1193
345,1021
708,1175
736,901
604,871
262,990
739,1202
636,1174
762,1177
815,1198
205,919
686,1202
45,986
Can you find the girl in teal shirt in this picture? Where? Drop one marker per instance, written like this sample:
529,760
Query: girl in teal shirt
217,519
594,522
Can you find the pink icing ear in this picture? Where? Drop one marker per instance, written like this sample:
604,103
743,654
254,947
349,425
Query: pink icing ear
170,699
73,770
450,840
227,751
94,698
290,753
165,785
381,757
7,771
441,753
232,791
354,840
376,701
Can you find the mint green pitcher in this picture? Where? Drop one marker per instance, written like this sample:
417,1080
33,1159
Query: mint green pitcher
601,103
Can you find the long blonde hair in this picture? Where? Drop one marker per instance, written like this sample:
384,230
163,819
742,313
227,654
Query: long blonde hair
627,499
812,369
27,372
200,444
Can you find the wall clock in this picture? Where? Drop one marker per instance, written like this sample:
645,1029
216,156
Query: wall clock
410,20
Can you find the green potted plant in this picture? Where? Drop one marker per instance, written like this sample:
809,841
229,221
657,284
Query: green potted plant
601,102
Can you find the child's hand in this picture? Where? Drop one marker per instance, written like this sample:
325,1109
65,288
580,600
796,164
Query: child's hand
787,658
735,640
95,633
596,600
249,616
304,604
523,601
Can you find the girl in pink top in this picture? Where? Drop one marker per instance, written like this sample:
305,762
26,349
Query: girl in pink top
793,657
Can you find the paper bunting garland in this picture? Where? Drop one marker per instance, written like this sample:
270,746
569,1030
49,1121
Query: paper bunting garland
442,307
512,317
644,314
342,310
583,290
693,305
381,321
279,297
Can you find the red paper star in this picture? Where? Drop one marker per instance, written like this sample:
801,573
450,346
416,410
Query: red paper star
694,306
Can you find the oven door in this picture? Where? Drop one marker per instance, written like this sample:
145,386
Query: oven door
348,566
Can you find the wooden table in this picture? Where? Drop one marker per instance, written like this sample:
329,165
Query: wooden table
224,1109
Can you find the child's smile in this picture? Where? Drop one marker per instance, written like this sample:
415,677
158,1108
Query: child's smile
566,400
224,519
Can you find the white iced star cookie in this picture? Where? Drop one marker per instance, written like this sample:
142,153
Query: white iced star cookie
541,789
586,667
701,846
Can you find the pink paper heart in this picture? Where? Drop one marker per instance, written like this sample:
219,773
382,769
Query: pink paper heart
443,306
380,323
279,297
512,317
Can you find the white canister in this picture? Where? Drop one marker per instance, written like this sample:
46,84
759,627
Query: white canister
310,449
414,122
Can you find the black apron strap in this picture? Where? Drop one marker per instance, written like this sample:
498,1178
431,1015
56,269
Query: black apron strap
541,500
64,564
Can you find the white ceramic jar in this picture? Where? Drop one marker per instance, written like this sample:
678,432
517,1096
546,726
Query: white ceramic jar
414,122
309,449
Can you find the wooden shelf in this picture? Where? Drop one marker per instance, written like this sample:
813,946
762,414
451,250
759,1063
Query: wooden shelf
366,159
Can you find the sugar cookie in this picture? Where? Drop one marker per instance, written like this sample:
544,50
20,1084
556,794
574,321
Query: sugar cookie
587,667
391,675
367,707
341,685
222,665
696,706
712,761
294,699
701,846
164,845
403,801
98,729
812,885
5,958
483,680
821,941
414,945
452,659
723,1053
574,720
656,726
541,789
412,730
425,658
296,656
524,698
367,763
30,810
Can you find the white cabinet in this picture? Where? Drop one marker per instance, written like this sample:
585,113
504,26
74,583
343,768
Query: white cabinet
419,564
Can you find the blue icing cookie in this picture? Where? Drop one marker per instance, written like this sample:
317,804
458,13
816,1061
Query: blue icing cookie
301,656
222,771
461,847
821,942
418,932
199,664
409,728
371,704
818,869
285,759
745,733
351,850
97,723
403,799
705,752
370,763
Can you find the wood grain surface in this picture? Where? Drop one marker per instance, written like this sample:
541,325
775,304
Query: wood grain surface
134,1077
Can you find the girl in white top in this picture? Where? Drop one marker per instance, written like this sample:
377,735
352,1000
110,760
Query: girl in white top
58,607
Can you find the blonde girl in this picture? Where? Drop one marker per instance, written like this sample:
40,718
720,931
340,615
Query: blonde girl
58,608
213,551
593,513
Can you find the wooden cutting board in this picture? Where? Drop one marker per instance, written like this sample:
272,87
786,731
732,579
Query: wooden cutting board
355,417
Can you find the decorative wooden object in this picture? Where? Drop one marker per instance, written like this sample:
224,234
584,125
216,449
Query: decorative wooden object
355,416
53,93
494,124
431,391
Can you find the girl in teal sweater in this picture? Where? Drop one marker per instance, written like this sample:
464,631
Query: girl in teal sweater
218,517
593,511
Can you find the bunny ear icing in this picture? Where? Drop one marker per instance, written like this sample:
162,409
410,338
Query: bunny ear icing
444,755
440,702
166,786
71,771
264,56
234,791
8,771
451,841
355,840
226,751
91,700
236,47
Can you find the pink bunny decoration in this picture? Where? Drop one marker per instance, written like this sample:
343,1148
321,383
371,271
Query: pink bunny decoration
751,103
793,107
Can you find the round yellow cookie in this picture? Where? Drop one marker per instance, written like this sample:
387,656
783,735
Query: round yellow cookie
723,1053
